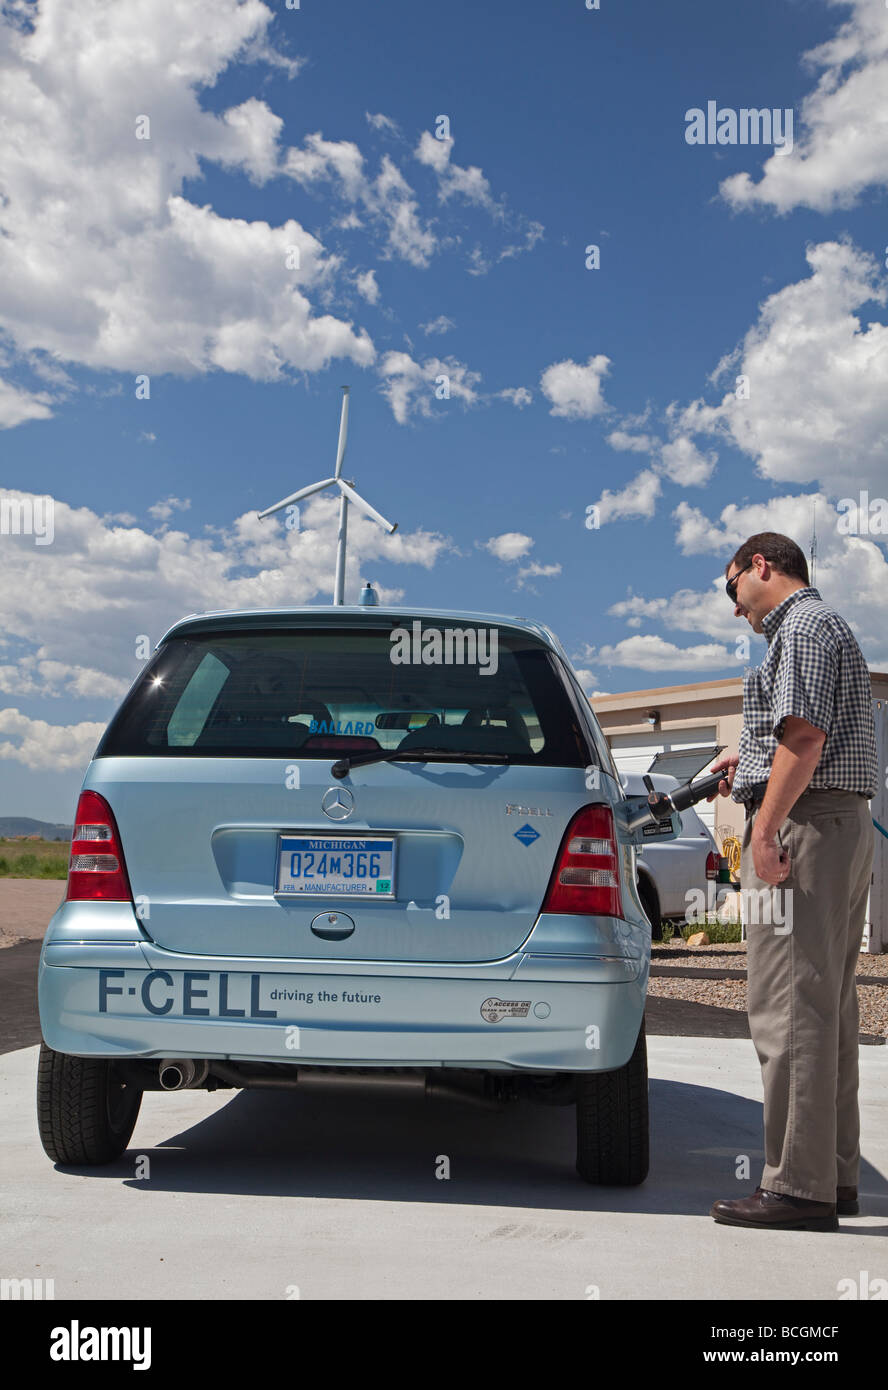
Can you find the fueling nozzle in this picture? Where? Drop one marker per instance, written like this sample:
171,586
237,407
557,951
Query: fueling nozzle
682,797
661,805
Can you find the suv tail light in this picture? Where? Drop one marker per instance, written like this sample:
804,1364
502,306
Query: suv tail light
712,865
97,869
586,877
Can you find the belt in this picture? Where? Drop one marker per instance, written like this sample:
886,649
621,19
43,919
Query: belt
757,794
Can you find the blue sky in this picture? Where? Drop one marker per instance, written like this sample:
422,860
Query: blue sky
315,128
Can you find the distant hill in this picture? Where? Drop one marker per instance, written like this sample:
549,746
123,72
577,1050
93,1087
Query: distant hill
23,825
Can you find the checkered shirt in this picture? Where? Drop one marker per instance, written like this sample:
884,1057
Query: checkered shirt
814,670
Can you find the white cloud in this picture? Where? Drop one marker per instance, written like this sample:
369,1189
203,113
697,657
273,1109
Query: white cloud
410,387
320,160
683,463
589,682
851,573
842,148
471,185
116,583
623,441
648,652
47,747
252,140
383,123
818,379
637,498
678,459
162,511
518,395
367,286
103,261
36,675
18,405
574,389
388,199
434,153
533,233
535,570
634,608
442,324
511,545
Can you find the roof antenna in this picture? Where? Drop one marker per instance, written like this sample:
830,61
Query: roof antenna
346,494
814,544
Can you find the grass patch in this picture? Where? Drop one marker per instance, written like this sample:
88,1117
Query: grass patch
718,932
34,859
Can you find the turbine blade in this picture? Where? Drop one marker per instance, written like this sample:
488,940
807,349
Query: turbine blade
295,496
366,508
343,433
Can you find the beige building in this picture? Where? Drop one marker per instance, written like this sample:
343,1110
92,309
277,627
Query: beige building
640,723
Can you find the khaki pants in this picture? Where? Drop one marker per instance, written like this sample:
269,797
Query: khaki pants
803,944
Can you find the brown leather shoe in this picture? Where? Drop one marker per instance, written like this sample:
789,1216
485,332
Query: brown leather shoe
846,1201
777,1210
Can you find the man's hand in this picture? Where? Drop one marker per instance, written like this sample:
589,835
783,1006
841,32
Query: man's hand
730,765
770,862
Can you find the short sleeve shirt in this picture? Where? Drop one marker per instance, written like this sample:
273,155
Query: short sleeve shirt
814,669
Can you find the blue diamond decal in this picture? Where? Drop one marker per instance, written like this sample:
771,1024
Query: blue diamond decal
526,835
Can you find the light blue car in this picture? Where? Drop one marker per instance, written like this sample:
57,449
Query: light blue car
319,839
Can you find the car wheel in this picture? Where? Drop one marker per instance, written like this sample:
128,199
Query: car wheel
651,908
85,1112
613,1127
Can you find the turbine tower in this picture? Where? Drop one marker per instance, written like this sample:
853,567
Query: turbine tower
346,494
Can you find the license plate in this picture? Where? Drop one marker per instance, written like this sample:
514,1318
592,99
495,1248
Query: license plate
336,866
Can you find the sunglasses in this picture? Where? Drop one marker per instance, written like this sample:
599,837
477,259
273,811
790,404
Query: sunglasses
731,585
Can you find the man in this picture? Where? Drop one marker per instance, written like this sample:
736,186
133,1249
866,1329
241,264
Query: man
806,767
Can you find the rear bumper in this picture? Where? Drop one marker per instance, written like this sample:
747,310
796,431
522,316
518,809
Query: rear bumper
103,995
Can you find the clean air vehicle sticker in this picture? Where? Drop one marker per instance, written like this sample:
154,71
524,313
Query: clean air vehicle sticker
493,1010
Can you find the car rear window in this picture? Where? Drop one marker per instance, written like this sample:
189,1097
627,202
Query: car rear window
317,693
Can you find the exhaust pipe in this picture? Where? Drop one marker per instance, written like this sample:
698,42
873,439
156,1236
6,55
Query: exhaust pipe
182,1073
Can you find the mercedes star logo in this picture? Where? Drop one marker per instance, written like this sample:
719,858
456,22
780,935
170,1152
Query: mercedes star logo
338,803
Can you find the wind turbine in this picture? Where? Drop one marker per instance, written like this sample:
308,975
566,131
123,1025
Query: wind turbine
346,494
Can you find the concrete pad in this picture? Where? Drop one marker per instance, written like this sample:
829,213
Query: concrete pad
252,1195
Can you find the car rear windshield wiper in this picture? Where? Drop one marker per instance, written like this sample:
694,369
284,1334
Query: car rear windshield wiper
387,755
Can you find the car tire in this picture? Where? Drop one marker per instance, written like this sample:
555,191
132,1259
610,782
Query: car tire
649,902
613,1124
85,1112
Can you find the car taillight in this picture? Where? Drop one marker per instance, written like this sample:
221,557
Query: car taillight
96,869
712,865
586,877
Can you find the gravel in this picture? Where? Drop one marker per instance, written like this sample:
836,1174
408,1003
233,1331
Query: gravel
731,955
731,994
